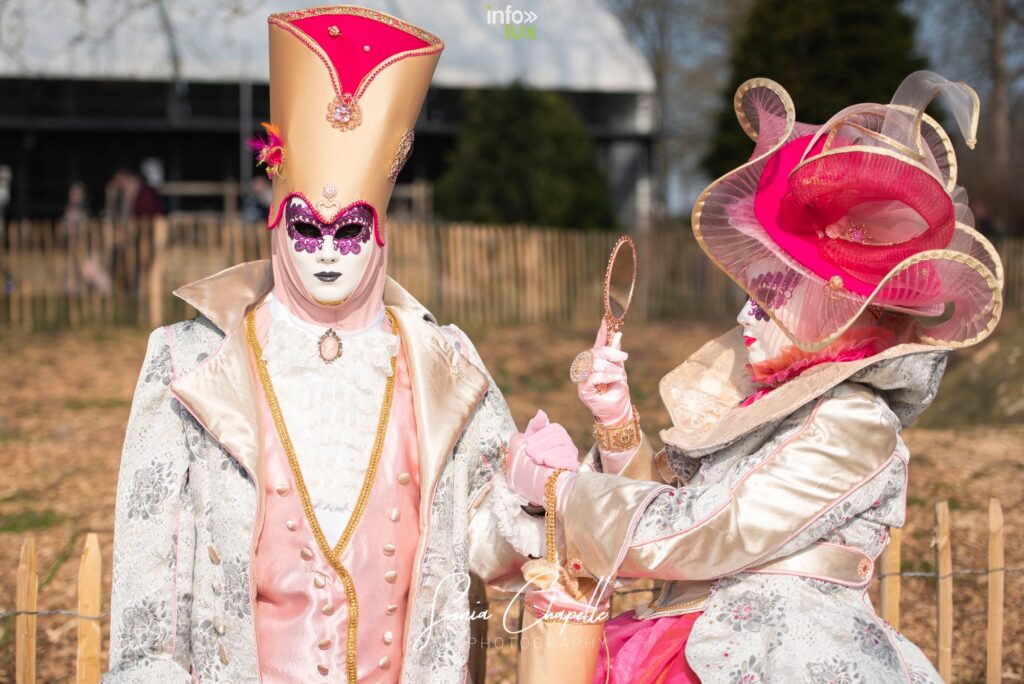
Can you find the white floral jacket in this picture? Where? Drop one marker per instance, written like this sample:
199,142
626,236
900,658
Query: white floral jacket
186,517
768,518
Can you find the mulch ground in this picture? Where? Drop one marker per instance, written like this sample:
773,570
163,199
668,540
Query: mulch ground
66,398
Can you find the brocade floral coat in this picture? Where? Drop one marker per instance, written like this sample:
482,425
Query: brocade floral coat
767,518
188,499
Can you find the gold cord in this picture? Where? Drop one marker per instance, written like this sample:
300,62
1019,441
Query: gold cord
333,555
550,501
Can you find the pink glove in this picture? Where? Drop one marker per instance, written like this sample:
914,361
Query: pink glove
606,392
534,455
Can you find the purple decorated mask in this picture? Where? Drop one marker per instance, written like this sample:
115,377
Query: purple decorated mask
350,231
754,309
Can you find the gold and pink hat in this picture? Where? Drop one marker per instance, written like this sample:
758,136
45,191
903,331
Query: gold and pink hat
824,221
346,87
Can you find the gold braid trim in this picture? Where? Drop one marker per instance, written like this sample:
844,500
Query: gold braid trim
550,523
692,603
333,555
363,12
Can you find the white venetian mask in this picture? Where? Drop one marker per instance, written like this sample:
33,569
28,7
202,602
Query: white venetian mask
764,339
330,258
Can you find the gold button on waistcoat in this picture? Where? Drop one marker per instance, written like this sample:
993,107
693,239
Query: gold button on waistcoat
395,514
319,582
384,663
390,610
291,525
328,609
282,489
388,637
306,553
323,669
214,556
389,549
325,644
404,478
390,576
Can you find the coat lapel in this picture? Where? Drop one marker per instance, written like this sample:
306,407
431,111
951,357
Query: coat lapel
221,392
446,387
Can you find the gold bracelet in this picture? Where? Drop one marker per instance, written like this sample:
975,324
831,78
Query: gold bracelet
550,501
619,437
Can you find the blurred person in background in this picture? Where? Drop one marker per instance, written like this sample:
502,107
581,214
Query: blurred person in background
73,230
147,202
131,203
85,264
5,200
256,203
784,468
118,210
5,192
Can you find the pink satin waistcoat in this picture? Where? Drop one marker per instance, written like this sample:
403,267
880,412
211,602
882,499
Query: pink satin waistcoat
302,612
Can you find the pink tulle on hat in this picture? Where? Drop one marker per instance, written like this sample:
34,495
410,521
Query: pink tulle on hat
863,210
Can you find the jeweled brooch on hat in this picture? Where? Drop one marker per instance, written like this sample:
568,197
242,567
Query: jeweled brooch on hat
344,112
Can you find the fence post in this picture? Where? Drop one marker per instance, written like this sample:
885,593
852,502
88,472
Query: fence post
25,625
89,602
27,313
156,272
944,620
996,585
890,583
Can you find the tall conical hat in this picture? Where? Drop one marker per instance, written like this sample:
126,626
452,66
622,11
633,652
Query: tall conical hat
346,87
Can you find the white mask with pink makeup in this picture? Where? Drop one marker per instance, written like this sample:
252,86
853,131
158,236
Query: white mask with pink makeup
330,258
764,339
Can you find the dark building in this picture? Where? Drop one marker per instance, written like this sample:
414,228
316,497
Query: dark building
181,101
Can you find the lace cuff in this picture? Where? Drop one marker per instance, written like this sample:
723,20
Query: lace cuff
523,531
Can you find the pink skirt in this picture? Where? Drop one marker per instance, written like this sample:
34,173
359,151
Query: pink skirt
647,651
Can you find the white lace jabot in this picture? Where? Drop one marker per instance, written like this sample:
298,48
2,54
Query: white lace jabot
331,410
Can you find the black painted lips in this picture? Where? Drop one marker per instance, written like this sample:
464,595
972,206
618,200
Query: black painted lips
328,276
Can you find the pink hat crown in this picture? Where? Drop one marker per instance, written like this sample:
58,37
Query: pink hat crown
863,210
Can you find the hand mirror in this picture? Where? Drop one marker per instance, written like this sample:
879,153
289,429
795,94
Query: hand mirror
619,285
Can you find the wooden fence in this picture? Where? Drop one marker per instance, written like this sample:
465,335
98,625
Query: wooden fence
57,275
88,666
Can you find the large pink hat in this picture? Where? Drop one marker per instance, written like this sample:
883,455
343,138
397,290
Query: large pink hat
824,221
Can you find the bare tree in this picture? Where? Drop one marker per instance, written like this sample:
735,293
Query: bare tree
982,42
1004,17
687,44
